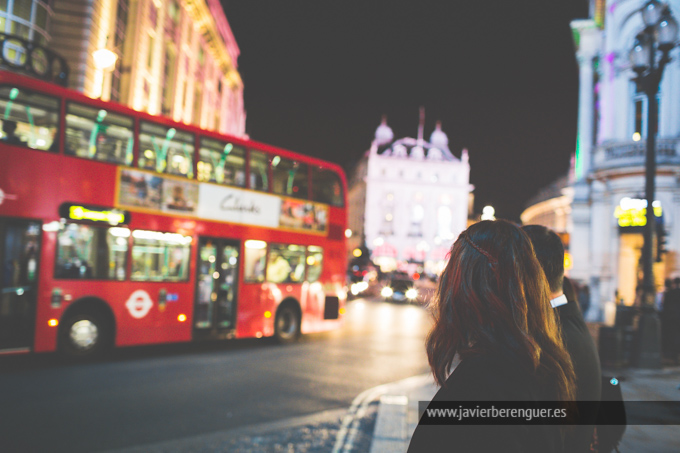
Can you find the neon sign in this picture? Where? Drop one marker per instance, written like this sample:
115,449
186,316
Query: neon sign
94,214
632,212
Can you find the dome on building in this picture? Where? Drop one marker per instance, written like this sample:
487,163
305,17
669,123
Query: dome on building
417,152
383,134
439,139
435,154
399,150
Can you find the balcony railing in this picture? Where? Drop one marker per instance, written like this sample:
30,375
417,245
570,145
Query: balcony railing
632,154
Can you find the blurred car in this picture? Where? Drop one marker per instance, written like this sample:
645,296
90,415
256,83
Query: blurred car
400,289
358,288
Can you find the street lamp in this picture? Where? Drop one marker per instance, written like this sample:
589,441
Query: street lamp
648,57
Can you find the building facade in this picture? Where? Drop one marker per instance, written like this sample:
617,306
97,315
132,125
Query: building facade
607,212
176,58
408,200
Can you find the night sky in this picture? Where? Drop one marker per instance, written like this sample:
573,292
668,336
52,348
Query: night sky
500,75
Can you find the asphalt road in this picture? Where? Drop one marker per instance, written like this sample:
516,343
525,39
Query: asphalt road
153,394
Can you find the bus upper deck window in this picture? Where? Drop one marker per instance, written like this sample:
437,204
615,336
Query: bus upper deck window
327,187
290,178
98,134
166,150
259,171
29,119
221,162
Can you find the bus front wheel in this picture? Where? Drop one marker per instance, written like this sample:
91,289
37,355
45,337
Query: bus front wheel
287,324
84,335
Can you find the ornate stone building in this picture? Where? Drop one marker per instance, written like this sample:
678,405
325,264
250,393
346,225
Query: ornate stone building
408,200
176,58
608,193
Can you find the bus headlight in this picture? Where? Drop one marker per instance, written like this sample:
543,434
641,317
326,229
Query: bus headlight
411,294
386,292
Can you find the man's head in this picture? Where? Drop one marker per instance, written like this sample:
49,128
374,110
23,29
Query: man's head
550,253
9,126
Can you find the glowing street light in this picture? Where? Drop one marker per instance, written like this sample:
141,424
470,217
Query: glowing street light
488,213
104,59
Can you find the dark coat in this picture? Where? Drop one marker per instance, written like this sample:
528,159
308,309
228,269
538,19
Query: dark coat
584,356
670,322
492,377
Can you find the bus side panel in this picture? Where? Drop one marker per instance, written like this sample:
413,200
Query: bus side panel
24,186
46,335
81,182
141,316
254,301
150,312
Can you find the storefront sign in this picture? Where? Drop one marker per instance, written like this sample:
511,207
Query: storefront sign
632,212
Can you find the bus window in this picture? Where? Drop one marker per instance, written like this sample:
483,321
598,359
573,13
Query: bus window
286,264
259,171
314,263
290,178
160,256
256,253
326,187
29,119
166,150
86,252
221,162
98,134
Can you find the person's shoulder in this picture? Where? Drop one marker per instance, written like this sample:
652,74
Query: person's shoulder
487,377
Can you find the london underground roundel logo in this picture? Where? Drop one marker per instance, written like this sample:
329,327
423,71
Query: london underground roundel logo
139,304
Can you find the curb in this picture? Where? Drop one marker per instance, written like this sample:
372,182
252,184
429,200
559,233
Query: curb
398,412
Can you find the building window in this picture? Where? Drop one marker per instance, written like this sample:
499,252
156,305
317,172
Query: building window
149,56
639,120
168,93
444,221
417,215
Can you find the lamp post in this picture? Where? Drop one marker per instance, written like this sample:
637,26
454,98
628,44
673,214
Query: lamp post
649,56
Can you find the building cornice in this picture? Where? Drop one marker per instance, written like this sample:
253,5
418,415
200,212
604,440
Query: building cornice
213,28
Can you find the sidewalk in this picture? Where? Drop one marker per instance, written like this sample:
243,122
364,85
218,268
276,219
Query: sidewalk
398,410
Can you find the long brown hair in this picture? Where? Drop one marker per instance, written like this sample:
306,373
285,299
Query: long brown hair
493,297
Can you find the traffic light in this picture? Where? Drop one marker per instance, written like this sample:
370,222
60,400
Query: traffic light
661,245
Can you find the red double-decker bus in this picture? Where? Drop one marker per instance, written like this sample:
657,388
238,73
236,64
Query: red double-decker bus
122,228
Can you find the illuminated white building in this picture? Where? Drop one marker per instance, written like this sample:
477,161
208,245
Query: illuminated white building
177,58
408,199
607,210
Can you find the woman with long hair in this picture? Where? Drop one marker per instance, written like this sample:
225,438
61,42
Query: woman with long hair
494,323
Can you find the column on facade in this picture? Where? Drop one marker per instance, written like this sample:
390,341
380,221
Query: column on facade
599,251
585,113
670,116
